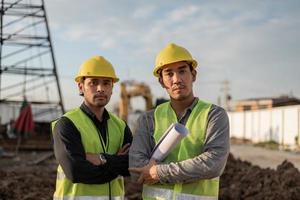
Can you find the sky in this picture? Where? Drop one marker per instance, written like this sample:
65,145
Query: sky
255,45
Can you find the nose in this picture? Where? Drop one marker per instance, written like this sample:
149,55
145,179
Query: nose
100,88
176,78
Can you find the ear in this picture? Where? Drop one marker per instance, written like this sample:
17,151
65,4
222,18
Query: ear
160,80
80,88
194,74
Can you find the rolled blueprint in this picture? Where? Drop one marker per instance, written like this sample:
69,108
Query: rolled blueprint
172,136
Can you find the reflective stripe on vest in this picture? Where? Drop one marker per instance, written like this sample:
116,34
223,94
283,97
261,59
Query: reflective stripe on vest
166,194
61,175
89,198
90,138
190,147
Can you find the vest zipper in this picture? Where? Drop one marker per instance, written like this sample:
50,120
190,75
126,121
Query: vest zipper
107,146
105,149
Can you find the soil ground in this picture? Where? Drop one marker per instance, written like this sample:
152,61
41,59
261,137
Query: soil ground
21,179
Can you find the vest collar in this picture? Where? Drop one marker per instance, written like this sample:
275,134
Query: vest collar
188,111
91,115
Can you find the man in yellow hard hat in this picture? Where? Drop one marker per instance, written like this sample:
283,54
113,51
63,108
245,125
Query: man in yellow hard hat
91,144
192,169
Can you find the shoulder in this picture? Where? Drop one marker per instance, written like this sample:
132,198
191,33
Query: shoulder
72,112
63,127
113,116
73,116
145,122
63,122
146,116
117,119
121,122
217,109
217,113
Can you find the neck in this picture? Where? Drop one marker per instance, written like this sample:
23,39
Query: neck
179,106
98,111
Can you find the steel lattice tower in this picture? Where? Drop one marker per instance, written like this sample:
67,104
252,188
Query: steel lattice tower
28,67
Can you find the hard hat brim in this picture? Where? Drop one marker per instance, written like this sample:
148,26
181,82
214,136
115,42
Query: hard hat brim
157,69
78,78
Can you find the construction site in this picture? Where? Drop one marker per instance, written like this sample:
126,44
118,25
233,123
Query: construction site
264,162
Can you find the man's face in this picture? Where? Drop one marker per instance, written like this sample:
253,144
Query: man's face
96,91
178,80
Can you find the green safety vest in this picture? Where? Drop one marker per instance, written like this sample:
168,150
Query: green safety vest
90,138
190,147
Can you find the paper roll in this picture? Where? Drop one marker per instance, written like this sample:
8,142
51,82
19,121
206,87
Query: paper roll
172,136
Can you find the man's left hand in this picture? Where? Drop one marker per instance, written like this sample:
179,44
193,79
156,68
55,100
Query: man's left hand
124,150
148,173
93,158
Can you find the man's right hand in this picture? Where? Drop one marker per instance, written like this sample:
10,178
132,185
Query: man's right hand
148,173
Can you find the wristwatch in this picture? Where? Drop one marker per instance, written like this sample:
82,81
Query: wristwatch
102,159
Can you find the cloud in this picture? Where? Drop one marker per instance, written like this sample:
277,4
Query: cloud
241,41
143,12
183,13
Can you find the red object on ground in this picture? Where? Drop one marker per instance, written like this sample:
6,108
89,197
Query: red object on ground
24,125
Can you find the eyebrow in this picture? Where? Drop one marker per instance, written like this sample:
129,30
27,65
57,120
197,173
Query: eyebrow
104,80
181,67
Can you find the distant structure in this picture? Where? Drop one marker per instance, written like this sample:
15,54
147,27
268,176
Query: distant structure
263,103
227,97
131,89
27,63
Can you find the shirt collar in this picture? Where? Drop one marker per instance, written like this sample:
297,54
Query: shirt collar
193,104
190,108
188,111
89,113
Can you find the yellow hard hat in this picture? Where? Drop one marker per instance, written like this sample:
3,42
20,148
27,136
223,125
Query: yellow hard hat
170,54
96,66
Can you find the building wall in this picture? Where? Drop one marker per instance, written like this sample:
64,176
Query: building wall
281,124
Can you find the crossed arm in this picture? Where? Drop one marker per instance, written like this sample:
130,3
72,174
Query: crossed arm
80,167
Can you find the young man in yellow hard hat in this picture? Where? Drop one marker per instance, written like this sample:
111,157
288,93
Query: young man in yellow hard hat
193,168
91,144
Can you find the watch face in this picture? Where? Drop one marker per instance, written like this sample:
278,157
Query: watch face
102,158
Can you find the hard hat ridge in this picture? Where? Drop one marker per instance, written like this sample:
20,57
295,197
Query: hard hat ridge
96,66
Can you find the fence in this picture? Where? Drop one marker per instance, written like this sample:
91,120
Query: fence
281,124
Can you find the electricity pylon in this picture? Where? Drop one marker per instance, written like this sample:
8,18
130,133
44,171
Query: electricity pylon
27,63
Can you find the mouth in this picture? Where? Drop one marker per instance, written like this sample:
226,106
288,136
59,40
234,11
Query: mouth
178,88
99,97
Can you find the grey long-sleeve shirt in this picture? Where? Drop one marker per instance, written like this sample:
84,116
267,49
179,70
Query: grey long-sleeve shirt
209,164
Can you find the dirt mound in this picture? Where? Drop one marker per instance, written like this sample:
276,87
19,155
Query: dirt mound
28,182
242,180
